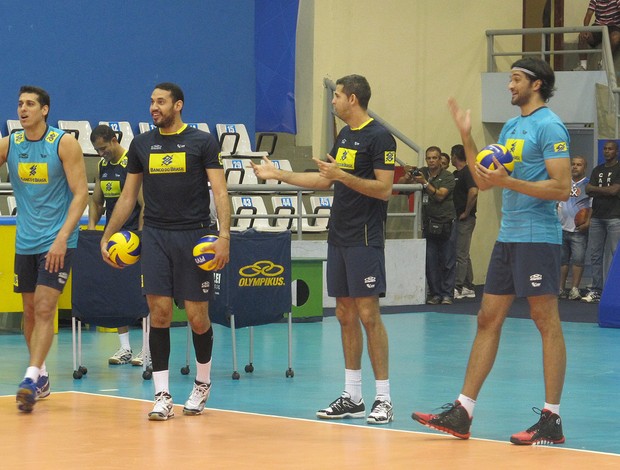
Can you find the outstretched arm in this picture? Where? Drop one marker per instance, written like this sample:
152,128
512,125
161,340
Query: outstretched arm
307,180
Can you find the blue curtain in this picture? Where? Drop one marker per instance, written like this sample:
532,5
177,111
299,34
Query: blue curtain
275,34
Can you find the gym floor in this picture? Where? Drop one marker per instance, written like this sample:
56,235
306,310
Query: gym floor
428,355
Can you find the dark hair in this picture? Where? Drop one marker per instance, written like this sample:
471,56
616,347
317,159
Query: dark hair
433,148
42,96
458,151
102,131
542,71
174,89
358,86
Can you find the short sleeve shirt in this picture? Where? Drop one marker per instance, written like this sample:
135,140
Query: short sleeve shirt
532,139
175,184
605,207
356,219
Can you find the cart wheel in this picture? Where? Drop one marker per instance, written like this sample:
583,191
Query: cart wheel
290,373
235,375
185,370
147,374
83,370
249,368
77,374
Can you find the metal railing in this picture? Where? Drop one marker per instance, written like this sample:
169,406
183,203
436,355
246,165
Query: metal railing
604,50
299,215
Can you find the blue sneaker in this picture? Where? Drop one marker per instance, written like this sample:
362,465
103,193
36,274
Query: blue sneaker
43,387
26,395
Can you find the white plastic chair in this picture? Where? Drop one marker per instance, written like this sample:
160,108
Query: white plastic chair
10,201
289,205
203,126
145,127
321,205
235,141
83,134
238,171
252,205
122,127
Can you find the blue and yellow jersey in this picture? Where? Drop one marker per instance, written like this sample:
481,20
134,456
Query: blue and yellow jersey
175,184
356,219
112,178
532,139
41,191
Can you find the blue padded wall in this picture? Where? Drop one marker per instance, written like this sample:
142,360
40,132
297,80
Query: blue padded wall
100,60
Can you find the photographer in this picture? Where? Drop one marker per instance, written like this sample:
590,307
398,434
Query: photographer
438,216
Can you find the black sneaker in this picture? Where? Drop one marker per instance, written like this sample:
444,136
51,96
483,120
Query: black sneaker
455,420
343,407
547,431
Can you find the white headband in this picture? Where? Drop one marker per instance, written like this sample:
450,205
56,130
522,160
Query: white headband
521,69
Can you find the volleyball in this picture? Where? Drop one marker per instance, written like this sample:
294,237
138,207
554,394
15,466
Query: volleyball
503,155
124,248
204,255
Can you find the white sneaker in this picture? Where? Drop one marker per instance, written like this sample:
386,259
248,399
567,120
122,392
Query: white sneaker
382,412
592,297
468,293
163,408
574,294
457,294
122,356
138,360
197,400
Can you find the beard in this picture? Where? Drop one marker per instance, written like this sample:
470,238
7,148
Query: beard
164,122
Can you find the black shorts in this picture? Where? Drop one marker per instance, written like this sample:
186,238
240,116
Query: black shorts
355,271
30,272
168,266
524,269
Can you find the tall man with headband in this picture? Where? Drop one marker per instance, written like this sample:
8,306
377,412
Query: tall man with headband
526,258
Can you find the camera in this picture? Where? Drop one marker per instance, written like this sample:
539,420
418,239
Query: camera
415,172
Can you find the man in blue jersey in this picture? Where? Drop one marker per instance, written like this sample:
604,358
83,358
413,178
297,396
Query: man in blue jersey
361,168
109,182
175,163
526,258
49,183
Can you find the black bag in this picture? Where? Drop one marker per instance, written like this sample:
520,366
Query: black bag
438,230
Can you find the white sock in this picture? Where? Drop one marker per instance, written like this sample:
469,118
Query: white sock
43,370
468,404
553,408
353,384
203,372
124,339
32,373
160,380
584,63
383,390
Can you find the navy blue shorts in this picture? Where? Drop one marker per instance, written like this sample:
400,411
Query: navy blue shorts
30,272
355,271
168,266
524,269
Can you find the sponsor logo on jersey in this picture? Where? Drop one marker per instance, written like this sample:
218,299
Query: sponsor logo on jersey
516,148
111,188
19,137
33,173
52,136
560,147
389,157
173,162
345,158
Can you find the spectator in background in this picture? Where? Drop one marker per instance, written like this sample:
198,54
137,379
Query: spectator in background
109,182
437,223
574,237
606,13
445,160
604,188
465,202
